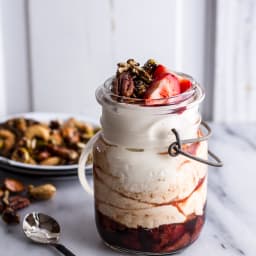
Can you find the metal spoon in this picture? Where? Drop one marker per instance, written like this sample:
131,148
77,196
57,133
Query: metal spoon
44,229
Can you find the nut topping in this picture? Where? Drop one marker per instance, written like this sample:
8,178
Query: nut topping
15,196
123,85
18,202
13,185
131,79
43,192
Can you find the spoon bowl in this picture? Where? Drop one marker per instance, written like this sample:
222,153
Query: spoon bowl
44,229
41,228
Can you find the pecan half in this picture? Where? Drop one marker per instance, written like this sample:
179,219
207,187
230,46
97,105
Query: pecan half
123,85
18,202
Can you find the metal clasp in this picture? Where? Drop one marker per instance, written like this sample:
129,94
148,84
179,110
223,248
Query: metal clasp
175,148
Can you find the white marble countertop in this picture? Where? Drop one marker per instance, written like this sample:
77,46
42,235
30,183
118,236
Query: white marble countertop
231,208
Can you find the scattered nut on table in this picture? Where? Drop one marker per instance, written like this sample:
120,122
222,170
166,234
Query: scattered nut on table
43,192
14,196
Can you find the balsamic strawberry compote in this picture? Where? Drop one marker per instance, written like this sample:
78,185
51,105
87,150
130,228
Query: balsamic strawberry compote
163,239
145,200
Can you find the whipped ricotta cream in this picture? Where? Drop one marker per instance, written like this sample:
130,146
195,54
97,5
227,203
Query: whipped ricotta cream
147,188
143,127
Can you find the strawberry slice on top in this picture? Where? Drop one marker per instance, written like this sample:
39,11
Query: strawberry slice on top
164,86
160,70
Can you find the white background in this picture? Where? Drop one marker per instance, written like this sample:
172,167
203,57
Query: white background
54,53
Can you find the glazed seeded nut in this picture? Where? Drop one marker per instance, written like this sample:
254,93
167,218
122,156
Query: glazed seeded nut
13,185
37,130
43,192
150,66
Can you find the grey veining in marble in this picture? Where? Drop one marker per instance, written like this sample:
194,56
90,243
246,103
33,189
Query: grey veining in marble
230,229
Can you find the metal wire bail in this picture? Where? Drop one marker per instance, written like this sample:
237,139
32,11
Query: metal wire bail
175,148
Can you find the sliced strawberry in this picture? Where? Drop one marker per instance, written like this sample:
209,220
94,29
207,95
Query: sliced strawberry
184,85
160,70
163,87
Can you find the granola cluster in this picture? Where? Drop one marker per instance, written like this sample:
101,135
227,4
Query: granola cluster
132,80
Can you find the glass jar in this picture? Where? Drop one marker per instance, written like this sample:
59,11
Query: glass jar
147,201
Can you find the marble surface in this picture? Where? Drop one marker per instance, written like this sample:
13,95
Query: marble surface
231,208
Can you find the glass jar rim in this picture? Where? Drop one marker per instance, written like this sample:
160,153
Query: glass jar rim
193,96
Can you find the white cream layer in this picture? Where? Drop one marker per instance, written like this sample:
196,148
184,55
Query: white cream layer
137,127
128,185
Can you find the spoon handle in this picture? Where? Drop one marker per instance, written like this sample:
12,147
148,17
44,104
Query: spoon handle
65,251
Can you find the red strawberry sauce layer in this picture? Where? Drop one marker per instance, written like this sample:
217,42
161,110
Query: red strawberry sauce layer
163,239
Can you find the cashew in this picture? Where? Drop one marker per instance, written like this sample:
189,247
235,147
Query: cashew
39,131
53,160
9,139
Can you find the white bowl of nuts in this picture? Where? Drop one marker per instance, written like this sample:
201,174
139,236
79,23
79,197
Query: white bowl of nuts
47,144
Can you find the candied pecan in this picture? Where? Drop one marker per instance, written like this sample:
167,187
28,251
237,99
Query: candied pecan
13,185
123,85
18,202
10,216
